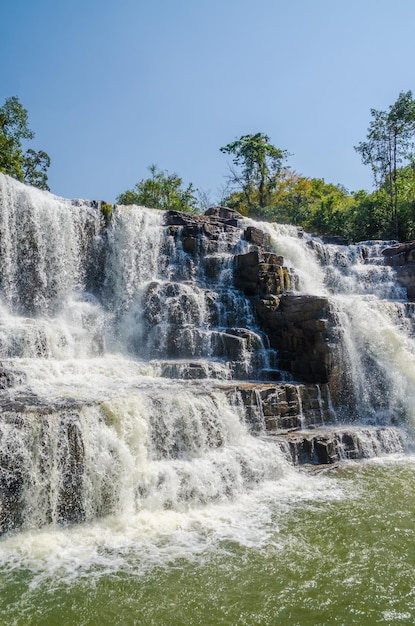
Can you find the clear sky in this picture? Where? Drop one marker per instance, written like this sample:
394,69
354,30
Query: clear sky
112,86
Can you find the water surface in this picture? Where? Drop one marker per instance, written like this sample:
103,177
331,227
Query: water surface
327,549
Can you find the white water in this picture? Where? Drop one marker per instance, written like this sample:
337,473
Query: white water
378,335
97,431
153,457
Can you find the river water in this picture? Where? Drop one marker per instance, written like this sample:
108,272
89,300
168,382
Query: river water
134,497
321,549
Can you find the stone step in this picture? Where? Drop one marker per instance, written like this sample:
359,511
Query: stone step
271,374
273,407
194,369
328,445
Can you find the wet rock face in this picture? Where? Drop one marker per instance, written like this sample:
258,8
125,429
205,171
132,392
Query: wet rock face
406,278
304,331
271,408
400,253
325,446
257,237
223,213
259,273
201,233
302,328
402,258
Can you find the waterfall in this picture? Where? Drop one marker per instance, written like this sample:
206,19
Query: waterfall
156,448
378,333
378,346
46,247
135,374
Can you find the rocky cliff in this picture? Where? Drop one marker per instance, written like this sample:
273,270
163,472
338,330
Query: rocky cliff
304,332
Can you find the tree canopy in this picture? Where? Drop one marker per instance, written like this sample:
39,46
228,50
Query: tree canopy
390,140
256,166
30,166
161,191
265,188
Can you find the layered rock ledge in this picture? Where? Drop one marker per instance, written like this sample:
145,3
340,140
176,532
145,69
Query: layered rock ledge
328,445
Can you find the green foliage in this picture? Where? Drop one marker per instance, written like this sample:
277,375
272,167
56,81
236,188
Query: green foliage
390,139
161,191
371,218
106,210
11,157
315,205
267,190
256,167
29,166
13,120
35,165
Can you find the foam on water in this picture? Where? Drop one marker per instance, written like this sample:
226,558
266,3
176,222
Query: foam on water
139,542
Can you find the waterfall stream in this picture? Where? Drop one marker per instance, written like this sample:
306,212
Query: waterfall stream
377,322
121,351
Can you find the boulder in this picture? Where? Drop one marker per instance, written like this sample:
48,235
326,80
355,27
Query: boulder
257,237
199,234
400,253
259,273
224,213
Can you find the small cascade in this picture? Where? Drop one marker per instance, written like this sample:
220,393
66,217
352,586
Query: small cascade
156,449
193,370
300,407
328,446
47,248
135,254
359,270
368,443
171,290
320,403
77,331
371,366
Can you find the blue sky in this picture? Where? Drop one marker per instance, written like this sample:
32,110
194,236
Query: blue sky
112,86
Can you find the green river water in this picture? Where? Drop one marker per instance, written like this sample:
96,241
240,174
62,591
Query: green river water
330,548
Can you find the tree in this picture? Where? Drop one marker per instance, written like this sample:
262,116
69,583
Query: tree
390,139
161,191
257,164
29,166
35,165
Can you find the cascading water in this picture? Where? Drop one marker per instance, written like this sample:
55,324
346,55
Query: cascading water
95,321
378,346
149,422
378,334
88,427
